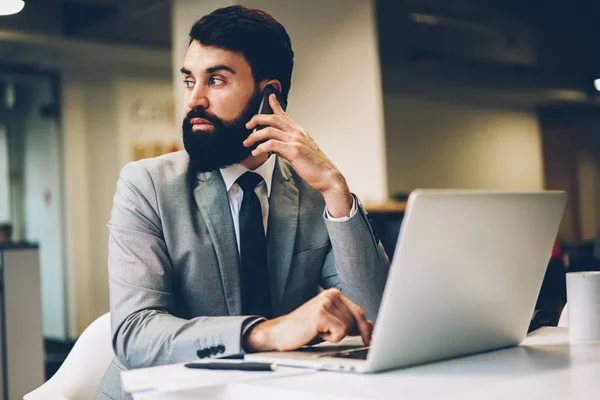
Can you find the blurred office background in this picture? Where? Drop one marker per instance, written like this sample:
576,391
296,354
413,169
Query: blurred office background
476,94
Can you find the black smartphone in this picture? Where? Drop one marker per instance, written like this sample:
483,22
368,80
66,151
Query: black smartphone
265,107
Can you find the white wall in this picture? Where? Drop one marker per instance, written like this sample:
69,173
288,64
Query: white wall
448,126
91,171
77,203
443,144
336,87
146,114
97,145
103,170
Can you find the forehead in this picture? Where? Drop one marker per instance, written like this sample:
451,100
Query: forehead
199,57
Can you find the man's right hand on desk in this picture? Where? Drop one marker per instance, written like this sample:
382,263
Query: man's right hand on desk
329,316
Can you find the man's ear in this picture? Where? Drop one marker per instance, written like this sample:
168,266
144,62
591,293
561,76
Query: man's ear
274,82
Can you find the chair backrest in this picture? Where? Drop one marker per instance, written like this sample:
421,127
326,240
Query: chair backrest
80,374
563,322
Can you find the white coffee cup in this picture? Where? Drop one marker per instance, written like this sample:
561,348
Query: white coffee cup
583,299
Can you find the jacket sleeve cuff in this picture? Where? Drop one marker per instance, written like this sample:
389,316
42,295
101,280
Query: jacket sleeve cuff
343,219
247,325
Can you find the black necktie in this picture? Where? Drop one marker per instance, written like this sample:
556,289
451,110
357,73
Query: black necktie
253,249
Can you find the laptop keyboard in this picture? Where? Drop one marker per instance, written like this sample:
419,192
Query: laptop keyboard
356,354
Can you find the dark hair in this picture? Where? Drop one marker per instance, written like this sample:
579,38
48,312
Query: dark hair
262,40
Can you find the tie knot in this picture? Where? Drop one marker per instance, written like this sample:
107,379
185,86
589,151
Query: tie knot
249,181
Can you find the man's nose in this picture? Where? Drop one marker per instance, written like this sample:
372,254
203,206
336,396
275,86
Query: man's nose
197,99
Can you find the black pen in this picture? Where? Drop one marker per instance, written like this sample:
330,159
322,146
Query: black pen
244,366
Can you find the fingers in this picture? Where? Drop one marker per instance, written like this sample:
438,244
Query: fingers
289,151
342,310
329,316
266,134
330,324
351,312
365,327
334,330
275,106
279,119
267,120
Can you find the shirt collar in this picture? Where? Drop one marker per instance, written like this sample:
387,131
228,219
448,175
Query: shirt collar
233,172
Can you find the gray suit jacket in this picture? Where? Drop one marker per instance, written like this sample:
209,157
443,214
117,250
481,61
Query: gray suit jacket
174,268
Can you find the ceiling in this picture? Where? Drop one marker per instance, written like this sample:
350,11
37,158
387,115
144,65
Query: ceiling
541,37
557,38
133,22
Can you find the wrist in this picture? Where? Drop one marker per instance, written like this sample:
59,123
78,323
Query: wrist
338,198
259,338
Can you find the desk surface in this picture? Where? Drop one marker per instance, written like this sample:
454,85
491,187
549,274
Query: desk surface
545,366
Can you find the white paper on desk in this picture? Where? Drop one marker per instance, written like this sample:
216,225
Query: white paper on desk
175,377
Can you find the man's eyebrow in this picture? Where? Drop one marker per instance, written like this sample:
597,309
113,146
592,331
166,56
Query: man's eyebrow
211,70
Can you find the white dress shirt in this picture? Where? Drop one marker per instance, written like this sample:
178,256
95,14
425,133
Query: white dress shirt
263,191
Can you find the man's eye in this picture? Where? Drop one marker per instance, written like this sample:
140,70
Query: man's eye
216,81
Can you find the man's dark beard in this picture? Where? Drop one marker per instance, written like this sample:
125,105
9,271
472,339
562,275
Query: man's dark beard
223,146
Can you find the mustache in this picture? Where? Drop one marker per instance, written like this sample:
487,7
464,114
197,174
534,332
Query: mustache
202,113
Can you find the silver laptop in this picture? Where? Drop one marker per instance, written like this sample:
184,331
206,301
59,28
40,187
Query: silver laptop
465,277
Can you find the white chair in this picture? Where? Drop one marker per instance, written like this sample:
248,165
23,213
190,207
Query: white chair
80,374
563,321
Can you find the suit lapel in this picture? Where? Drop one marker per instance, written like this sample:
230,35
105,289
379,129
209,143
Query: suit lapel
281,232
211,197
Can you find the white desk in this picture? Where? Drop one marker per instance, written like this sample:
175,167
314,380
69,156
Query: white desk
545,367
